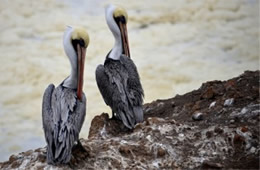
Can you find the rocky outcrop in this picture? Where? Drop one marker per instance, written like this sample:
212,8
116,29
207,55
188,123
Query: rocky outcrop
214,127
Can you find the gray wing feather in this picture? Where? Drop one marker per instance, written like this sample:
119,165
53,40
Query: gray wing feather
79,117
68,114
113,93
135,91
105,87
47,119
121,89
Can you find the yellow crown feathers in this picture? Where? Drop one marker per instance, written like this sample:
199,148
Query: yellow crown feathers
119,11
80,33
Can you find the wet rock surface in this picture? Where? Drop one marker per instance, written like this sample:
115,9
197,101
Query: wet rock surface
225,137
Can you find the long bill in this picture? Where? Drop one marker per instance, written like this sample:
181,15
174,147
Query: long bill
81,51
123,30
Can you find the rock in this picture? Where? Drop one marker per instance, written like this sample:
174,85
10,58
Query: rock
211,165
197,116
212,104
208,94
153,120
209,134
218,130
244,129
181,137
226,138
252,150
161,152
232,121
244,110
124,150
197,105
228,102
251,111
238,140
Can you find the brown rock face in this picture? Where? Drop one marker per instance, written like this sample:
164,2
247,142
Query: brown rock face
226,138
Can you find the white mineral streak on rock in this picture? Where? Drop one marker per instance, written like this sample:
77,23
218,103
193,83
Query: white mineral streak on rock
197,116
244,110
103,132
212,104
229,102
250,111
165,128
149,138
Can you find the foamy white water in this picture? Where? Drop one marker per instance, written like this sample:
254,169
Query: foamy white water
176,45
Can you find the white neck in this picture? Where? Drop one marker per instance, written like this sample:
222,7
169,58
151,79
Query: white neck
117,50
72,80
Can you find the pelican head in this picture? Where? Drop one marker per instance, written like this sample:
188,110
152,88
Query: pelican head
75,42
116,18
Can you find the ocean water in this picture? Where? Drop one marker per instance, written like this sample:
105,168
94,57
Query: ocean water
176,45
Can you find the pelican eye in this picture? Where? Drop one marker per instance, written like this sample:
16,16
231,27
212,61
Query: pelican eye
121,19
80,41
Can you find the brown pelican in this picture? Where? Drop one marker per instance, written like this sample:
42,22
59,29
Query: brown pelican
64,107
118,80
